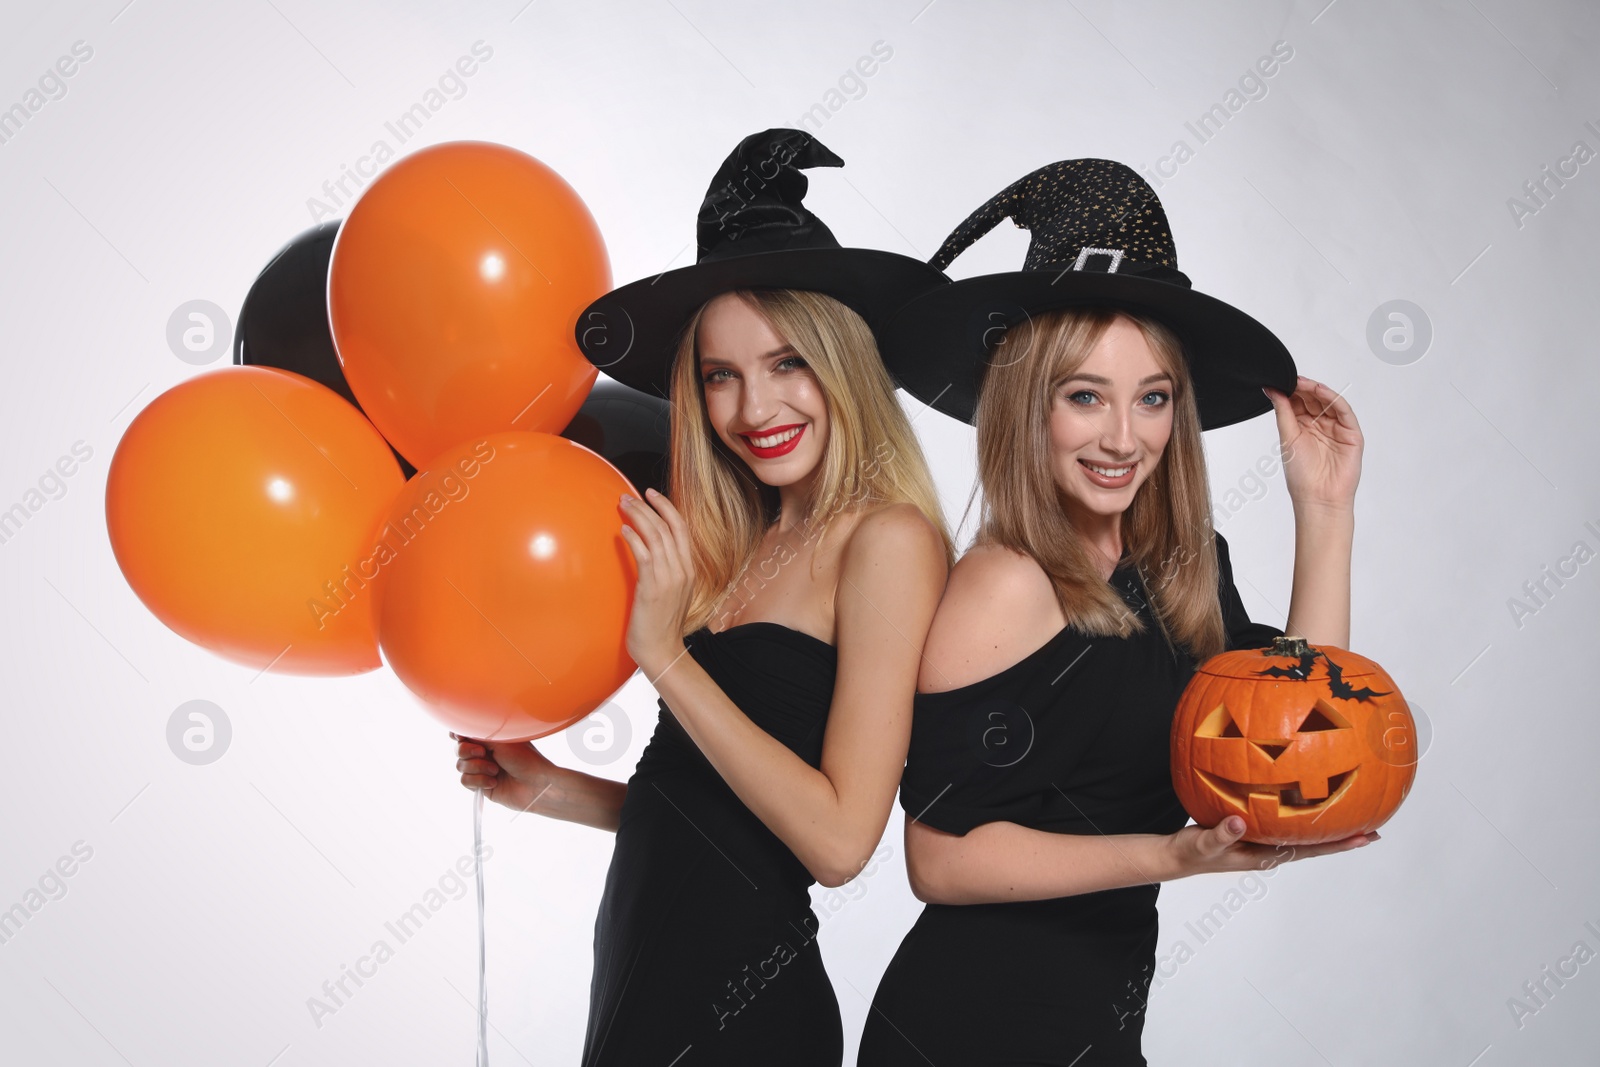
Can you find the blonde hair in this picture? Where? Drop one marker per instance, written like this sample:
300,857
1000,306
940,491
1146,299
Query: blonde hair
1166,529
871,457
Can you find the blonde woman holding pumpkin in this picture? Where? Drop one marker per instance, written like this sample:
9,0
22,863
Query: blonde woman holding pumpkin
1040,815
784,593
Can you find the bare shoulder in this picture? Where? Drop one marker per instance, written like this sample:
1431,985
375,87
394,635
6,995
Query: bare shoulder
892,572
998,607
992,581
895,533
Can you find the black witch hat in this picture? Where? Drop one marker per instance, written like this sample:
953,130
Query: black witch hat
753,233
1099,238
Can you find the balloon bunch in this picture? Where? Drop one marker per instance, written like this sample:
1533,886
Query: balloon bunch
382,471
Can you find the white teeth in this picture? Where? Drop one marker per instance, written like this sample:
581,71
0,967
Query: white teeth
774,440
1109,472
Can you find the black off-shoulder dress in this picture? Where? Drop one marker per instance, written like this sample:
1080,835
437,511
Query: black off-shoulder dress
1072,739
705,945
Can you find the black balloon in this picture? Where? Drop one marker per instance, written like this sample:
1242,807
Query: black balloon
629,429
284,324
284,321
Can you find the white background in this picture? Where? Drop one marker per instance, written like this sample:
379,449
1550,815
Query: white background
1378,166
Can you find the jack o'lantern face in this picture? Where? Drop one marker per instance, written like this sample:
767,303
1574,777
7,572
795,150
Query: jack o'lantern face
1308,744
1278,764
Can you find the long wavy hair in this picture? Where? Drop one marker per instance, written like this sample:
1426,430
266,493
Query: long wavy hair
1166,529
871,457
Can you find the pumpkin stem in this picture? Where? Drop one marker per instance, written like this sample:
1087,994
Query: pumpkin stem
1288,645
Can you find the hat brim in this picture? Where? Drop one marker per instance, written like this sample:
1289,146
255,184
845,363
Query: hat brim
632,332
937,346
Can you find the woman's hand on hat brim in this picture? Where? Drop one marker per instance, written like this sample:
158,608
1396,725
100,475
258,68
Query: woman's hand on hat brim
1321,443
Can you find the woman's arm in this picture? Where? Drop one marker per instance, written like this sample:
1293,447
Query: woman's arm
1319,606
891,574
516,775
1002,862
1321,444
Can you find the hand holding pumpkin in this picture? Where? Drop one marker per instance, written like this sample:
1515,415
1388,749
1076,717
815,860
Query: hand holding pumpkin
1218,849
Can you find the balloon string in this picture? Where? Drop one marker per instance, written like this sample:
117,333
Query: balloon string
483,988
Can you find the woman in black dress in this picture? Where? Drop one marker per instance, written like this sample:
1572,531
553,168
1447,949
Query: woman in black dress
1038,796
783,597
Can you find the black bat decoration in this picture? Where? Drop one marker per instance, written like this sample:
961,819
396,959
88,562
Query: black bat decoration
1340,688
1299,672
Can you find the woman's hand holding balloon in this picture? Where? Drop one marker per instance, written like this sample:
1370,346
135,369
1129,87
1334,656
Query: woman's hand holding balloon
511,773
659,539
516,775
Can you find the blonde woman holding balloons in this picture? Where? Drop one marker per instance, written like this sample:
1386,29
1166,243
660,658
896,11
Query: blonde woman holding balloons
784,593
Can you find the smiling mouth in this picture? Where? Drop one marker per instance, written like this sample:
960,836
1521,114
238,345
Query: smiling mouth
1105,476
1291,797
774,439
774,442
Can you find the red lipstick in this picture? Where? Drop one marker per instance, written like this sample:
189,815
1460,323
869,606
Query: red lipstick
783,448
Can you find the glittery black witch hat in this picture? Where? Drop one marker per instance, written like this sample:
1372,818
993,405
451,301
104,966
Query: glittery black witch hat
753,232
1099,238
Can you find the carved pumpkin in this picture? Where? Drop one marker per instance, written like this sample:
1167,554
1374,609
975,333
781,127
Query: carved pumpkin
1306,743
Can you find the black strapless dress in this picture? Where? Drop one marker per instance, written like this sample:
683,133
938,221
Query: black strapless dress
705,946
1072,739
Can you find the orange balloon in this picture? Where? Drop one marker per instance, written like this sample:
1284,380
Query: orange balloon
239,504
507,587
453,292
